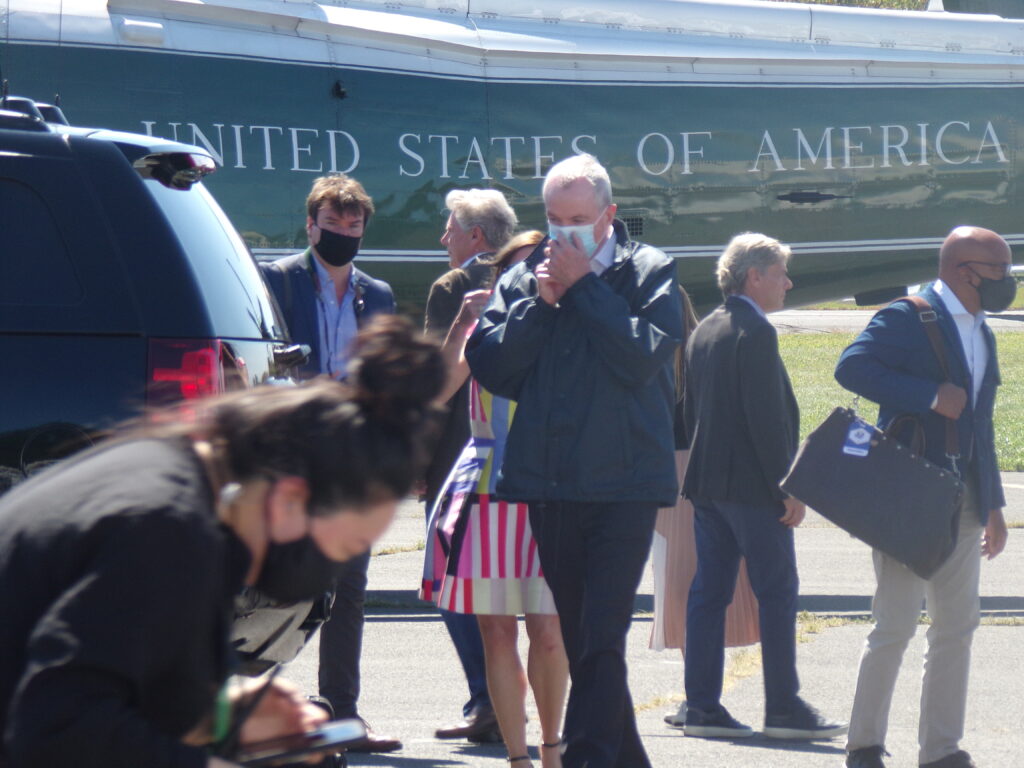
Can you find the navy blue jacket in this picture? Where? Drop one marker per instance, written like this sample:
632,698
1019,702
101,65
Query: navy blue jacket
741,419
291,280
892,363
592,377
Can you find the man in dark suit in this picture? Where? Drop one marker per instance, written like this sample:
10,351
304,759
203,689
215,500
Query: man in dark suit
893,364
742,425
325,299
480,222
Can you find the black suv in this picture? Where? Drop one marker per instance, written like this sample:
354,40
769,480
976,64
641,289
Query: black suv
122,284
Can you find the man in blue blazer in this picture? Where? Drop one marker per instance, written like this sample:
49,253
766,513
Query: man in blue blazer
892,363
325,299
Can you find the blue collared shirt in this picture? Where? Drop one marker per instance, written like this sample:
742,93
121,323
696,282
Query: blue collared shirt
336,321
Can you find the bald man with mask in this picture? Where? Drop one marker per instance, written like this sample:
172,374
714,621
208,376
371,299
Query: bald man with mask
892,363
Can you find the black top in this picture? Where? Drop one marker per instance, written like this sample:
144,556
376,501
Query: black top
741,418
116,587
443,305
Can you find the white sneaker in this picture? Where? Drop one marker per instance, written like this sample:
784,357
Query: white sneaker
677,719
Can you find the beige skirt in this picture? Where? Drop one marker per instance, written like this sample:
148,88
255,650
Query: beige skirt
674,556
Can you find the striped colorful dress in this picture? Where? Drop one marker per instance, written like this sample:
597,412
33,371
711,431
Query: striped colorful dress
481,556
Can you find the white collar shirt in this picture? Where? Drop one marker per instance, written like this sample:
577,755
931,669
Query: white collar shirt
604,256
752,303
972,337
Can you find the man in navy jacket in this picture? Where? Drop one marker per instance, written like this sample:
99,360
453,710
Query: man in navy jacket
584,341
325,299
893,364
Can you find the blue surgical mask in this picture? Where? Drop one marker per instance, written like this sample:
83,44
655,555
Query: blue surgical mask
585,233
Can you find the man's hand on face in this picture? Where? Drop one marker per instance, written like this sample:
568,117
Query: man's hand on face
550,290
567,262
951,400
795,511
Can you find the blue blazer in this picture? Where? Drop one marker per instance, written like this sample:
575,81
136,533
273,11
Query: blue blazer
291,280
892,363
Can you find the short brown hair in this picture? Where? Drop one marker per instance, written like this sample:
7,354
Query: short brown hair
340,192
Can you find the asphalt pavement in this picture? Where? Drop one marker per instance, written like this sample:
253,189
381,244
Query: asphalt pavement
412,682
854,321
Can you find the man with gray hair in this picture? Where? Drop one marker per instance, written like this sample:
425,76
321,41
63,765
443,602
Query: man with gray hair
583,336
742,425
480,222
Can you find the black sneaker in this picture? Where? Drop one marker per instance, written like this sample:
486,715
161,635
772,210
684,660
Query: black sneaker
802,722
956,760
866,757
717,724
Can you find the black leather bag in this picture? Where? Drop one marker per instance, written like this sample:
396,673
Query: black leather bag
878,490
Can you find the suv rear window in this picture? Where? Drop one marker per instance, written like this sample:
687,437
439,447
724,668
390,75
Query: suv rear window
36,267
221,263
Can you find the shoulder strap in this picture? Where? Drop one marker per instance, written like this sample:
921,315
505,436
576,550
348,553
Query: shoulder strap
930,322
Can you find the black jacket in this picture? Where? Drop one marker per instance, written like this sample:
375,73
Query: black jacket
741,418
117,585
592,378
443,304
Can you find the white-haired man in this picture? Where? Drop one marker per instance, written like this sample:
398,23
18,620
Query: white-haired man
584,342
742,425
480,222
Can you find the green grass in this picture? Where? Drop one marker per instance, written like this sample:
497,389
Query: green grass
892,5
811,358
1018,302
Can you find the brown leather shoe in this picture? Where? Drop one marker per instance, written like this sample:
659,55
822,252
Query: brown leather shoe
480,723
374,742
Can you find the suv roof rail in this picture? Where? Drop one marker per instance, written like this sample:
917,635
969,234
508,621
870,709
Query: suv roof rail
19,121
21,104
52,113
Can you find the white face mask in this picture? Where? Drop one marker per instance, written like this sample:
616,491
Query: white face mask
585,233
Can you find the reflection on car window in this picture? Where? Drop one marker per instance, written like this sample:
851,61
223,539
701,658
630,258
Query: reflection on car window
35,268
227,276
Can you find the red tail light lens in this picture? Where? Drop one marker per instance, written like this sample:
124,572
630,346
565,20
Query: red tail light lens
184,369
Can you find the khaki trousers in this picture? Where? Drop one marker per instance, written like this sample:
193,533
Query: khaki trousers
951,598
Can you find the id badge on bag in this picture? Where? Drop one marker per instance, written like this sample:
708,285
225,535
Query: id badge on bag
858,438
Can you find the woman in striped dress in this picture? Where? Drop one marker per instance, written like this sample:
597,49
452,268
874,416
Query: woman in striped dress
481,557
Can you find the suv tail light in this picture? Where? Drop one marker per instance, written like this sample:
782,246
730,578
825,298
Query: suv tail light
188,369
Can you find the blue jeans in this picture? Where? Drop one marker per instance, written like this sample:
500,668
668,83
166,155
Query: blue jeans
464,630
725,532
593,556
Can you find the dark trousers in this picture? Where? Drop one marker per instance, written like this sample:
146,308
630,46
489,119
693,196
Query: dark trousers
341,640
593,556
725,532
464,630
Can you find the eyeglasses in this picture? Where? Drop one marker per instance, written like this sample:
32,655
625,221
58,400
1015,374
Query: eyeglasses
1002,269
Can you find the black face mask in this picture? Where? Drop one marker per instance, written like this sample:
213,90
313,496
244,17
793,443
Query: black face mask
296,571
337,250
996,295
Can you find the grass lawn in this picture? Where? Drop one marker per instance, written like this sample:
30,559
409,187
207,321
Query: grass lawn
892,5
811,359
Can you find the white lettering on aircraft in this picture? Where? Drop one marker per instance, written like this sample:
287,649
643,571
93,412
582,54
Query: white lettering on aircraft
447,156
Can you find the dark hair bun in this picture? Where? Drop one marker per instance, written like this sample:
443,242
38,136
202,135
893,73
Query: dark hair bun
395,372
